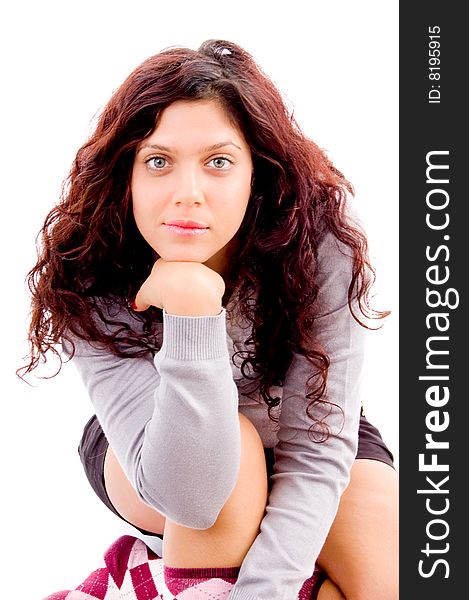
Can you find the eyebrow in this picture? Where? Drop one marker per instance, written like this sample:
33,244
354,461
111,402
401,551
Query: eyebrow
207,149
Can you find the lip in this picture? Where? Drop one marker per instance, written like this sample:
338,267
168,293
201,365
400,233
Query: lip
187,224
185,231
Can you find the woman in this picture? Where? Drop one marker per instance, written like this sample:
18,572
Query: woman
205,274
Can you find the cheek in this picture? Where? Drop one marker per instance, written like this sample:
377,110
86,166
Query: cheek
143,201
244,195
239,192
135,193
137,208
142,212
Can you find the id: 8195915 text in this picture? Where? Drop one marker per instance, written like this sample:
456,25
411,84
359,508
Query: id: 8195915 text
434,73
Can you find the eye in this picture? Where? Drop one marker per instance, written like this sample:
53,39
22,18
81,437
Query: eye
221,163
156,163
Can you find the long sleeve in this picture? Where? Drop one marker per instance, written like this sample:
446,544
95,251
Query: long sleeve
309,477
172,421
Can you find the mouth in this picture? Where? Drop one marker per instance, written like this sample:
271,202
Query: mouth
187,223
187,228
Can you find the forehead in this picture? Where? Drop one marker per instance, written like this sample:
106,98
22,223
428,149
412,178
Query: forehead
195,117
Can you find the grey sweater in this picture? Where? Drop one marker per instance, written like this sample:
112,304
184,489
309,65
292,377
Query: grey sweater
172,421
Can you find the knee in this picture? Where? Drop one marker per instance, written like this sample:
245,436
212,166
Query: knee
253,467
245,507
251,443
390,593
374,580
379,582
364,564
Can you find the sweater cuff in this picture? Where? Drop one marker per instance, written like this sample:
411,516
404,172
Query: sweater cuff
194,338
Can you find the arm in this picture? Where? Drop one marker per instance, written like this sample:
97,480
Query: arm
309,477
172,422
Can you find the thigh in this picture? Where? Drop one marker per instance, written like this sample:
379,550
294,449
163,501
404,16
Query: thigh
97,457
125,500
361,551
370,445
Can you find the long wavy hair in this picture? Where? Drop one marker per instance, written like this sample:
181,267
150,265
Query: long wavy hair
90,248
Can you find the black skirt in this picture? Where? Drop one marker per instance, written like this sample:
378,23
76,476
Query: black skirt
93,447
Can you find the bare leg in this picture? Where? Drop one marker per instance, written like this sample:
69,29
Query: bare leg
126,500
224,544
329,591
227,542
360,554
360,563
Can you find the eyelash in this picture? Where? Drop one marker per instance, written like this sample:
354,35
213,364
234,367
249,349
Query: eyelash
148,161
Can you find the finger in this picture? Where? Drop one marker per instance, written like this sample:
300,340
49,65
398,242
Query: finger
138,304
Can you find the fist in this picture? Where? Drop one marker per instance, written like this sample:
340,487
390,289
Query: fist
185,288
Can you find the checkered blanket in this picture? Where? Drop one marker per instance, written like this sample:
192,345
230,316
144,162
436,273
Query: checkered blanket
129,570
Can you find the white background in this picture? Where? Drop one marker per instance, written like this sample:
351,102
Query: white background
336,62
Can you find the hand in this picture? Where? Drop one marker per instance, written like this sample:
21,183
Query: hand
183,288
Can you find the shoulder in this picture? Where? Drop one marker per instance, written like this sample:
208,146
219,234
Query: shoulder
336,266
333,255
334,273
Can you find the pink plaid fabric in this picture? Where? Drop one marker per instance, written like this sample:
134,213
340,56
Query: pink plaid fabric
129,570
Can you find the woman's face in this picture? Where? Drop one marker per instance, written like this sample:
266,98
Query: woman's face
195,166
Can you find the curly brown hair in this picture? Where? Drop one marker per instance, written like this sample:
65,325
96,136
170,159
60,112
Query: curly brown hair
91,248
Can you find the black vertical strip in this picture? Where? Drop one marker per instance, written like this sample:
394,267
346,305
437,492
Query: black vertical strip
434,259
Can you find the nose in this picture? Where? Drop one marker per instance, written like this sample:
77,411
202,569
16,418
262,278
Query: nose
189,190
